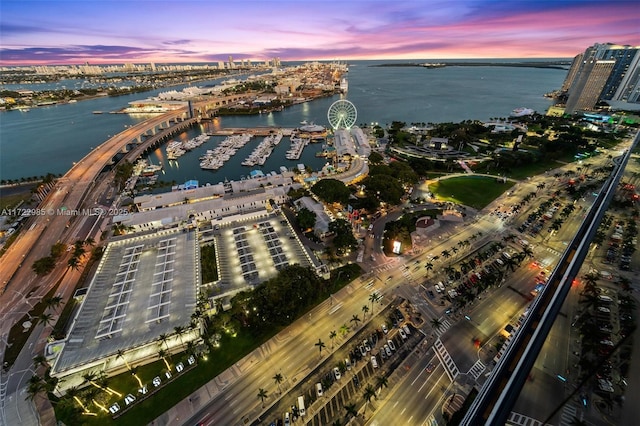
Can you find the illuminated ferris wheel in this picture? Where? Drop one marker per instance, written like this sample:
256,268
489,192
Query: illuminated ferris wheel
342,114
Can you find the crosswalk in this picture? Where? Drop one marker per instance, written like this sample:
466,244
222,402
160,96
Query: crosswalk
568,414
477,369
445,324
566,419
444,357
552,251
517,419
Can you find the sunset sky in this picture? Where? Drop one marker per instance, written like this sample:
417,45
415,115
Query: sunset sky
117,31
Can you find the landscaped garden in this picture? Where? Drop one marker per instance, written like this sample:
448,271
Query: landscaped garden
472,191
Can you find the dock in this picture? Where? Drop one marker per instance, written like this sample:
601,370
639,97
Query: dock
256,131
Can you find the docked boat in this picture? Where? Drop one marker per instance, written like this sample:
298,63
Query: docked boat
297,146
521,112
262,152
217,157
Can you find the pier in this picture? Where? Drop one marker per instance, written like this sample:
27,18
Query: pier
256,131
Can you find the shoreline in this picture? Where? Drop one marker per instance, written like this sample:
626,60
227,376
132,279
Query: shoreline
563,65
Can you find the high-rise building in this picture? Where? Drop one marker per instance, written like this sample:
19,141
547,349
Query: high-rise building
603,72
586,89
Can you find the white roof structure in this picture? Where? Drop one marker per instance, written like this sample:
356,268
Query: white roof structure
144,286
343,143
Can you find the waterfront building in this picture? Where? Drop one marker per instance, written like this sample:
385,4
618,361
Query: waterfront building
603,72
587,89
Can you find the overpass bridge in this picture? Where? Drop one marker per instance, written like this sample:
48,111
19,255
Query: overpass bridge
74,187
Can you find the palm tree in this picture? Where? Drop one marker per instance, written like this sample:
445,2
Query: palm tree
36,387
369,392
191,348
162,354
53,302
120,354
344,329
72,393
446,254
429,267
262,394
373,298
278,379
89,241
436,323
40,361
92,377
179,330
365,309
320,344
133,371
163,339
382,382
45,319
332,336
527,251
73,263
351,410
355,319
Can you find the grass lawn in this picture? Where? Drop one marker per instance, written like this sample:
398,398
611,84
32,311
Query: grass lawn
473,191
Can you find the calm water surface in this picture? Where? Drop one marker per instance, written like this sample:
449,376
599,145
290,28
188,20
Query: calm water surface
50,139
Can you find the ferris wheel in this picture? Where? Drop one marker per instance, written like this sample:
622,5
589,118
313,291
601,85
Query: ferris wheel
342,114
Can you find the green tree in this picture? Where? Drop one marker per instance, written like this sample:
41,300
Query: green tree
320,344
365,309
369,392
332,336
45,318
382,382
436,323
351,410
343,239
306,218
373,298
375,158
332,191
162,354
262,394
355,319
278,379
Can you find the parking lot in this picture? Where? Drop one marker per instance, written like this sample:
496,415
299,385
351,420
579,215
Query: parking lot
354,375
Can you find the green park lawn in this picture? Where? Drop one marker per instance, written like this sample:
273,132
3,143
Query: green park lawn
472,191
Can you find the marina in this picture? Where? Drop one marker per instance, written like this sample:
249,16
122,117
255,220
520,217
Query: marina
217,157
297,146
263,151
176,149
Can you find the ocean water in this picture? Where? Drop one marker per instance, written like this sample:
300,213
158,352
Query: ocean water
50,139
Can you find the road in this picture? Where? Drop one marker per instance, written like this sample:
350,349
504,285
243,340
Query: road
417,398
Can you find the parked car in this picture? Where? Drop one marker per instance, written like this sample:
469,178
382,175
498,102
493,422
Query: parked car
336,373
391,344
374,361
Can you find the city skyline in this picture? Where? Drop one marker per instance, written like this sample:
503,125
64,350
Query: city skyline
99,32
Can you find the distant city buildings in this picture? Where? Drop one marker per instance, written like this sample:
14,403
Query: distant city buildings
604,72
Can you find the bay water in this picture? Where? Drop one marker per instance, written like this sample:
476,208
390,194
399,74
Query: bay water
49,139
